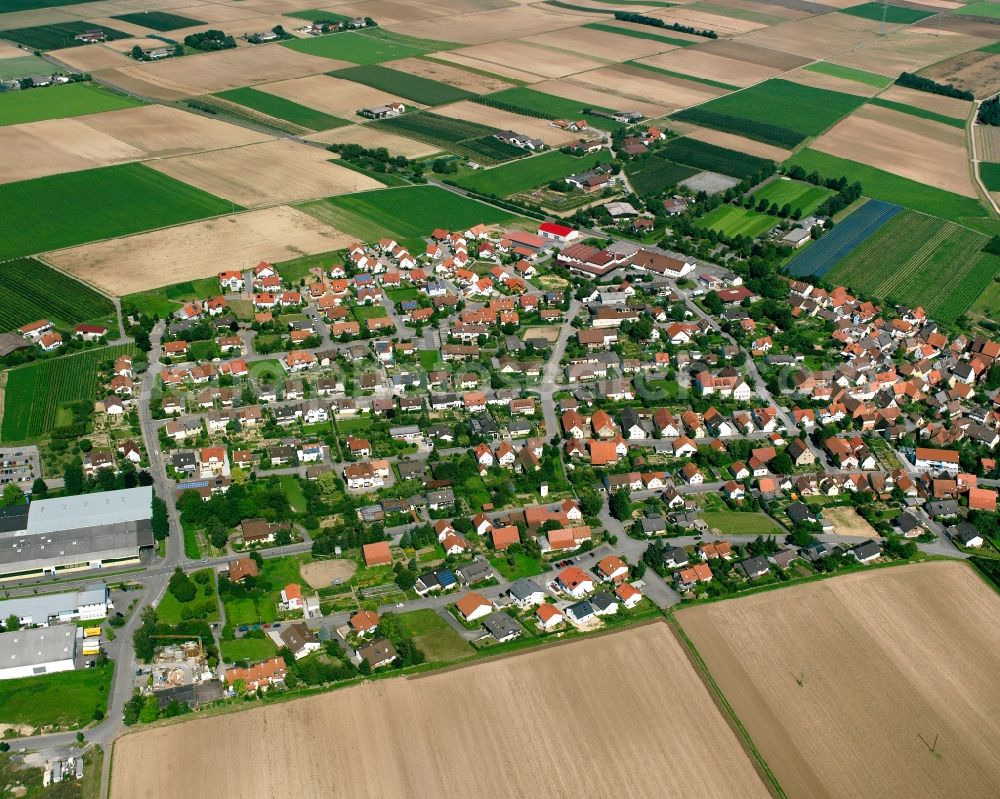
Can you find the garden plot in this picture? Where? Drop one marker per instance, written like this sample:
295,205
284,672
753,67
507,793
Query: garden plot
921,150
201,249
336,96
636,82
269,173
547,63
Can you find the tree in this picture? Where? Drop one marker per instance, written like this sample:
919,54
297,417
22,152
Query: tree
160,522
13,623
782,464
621,504
137,53
12,495
181,586
73,477
39,489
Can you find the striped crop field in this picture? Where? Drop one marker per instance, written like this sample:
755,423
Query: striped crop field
916,259
821,256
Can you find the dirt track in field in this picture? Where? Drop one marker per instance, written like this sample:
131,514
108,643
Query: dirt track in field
623,713
843,684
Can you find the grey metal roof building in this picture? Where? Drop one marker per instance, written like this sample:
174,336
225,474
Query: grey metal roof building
37,651
90,602
84,531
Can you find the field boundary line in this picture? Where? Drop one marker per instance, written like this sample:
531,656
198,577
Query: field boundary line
769,778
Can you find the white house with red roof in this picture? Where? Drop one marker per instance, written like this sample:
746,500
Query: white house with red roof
556,232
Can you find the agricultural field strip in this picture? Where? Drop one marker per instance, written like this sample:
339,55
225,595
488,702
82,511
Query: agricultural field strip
823,255
45,293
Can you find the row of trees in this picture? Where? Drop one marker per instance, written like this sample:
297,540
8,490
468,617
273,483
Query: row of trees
656,22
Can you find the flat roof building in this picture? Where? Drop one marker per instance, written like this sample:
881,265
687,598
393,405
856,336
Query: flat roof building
28,653
91,602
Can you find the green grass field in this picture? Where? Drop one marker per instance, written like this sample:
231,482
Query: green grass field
171,611
365,312
401,295
803,196
317,15
893,14
123,199
6,6
990,48
526,173
369,46
637,34
523,566
55,102
23,66
159,20
280,108
894,189
434,636
984,8
849,73
31,290
776,111
410,87
65,699
407,212
990,174
703,155
553,107
921,260
56,36
718,84
293,491
732,221
36,392
252,650
250,611
923,113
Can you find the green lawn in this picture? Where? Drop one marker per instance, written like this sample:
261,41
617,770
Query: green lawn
984,8
56,102
849,73
736,523
732,221
894,189
923,113
280,108
364,312
370,46
434,636
893,14
293,492
803,196
406,212
401,295
921,260
352,426
776,111
410,87
66,699
170,610
159,20
123,199
527,173
990,174
429,360
248,611
523,566
252,650
475,492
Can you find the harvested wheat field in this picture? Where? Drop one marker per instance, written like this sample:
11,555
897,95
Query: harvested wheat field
545,62
341,98
505,120
629,81
739,143
453,76
612,46
741,51
846,521
696,18
844,684
228,69
949,106
438,735
818,37
500,71
375,137
918,149
910,49
269,173
571,89
321,573
498,24
397,12
92,58
988,142
818,80
199,249
701,64
976,72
